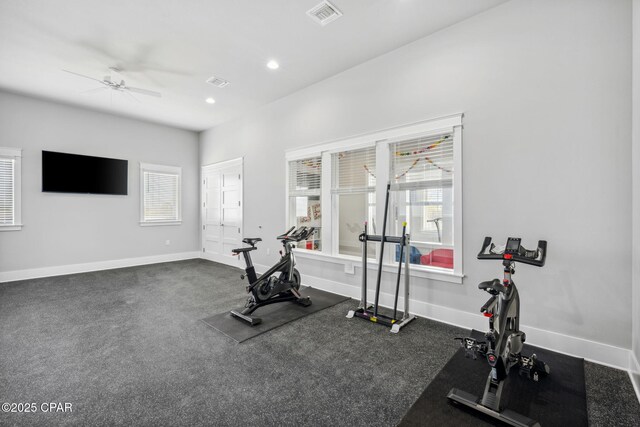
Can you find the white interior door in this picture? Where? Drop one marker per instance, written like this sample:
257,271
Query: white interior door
222,211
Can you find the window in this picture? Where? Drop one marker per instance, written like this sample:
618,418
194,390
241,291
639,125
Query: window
354,198
160,194
346,181
10,194
305,177
422,174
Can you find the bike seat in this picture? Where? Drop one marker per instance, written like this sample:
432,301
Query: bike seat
252,240
492,286
239,250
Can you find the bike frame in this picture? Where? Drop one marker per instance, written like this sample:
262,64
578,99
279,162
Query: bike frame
285,265
503,323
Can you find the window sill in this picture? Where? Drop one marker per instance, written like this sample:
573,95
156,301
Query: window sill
433,273
154,223
14,227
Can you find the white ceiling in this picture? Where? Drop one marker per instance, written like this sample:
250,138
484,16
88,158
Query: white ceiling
174,46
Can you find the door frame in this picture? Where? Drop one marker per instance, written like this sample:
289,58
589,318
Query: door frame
203,171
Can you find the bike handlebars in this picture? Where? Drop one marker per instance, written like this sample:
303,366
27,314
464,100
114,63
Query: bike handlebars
286,233
513,251
302,233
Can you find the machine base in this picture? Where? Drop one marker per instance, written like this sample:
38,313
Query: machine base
394,324
249,319
506,415
245,314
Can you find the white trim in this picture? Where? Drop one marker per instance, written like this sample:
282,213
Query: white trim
383,166
34,273
457,201
593,351
154,223
287,199
12,227
326,207
238,161
223,259
16,154
424,272
351,142
634,373
155,168
161,168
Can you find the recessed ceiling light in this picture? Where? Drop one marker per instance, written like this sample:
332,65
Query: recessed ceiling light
210,101
273,65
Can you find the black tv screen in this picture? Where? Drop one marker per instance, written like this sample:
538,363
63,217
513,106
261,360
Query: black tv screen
74,173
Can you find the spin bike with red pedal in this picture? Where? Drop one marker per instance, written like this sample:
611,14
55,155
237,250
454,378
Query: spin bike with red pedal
504,340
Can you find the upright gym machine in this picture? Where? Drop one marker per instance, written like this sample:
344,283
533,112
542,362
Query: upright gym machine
504,340
371,313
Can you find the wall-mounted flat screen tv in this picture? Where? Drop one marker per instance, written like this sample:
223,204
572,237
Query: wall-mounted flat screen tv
74,173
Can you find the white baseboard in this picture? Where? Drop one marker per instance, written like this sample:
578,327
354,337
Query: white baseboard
593,351
34,273
232,261
634,373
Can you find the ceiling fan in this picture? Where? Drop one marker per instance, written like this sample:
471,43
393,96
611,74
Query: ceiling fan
118,86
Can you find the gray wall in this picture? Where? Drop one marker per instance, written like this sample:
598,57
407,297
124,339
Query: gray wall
546,91
61,229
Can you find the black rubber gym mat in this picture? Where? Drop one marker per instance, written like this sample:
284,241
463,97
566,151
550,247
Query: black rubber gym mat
272,316
557,400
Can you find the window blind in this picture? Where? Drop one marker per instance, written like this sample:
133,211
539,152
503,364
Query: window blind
7,202
354,171
161,196
305,177
426,161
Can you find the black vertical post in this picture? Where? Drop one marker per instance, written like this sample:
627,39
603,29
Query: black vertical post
384,230
402,245
363,237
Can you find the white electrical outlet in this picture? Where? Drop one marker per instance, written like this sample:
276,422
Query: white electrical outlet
349,269
167,242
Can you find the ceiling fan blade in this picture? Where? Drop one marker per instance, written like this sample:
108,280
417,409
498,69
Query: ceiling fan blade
144,91
82,75
131,96
97,89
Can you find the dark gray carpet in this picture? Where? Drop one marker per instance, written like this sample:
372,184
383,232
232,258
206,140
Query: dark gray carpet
126,347
273,316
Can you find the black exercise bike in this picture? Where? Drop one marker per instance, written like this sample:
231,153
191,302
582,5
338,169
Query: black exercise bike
504,340
280,283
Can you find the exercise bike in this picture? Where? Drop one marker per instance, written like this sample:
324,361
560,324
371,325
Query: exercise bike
278,284
504,340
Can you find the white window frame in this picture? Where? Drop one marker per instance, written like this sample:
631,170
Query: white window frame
335,207
176,170
322,198
382,140
16,155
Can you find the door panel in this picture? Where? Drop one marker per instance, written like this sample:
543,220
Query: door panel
222,212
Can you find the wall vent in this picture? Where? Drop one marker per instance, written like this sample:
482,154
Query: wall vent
324,13
217,82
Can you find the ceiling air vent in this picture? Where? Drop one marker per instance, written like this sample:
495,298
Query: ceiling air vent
324,13
217,81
